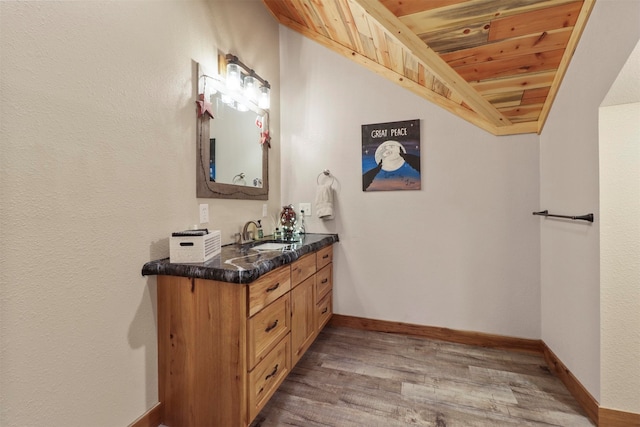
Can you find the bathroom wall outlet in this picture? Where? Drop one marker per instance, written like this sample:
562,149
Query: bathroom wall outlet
306,207
204,213
264,210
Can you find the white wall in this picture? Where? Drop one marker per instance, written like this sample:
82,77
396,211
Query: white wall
463,252
620,256
620,240
570,274
97,167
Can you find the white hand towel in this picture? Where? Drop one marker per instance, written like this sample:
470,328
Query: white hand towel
324,201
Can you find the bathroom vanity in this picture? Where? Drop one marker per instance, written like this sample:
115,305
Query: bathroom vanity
231,329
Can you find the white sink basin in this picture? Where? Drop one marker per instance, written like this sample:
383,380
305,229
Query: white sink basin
271,246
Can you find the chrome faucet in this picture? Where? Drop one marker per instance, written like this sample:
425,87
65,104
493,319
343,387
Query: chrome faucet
245,230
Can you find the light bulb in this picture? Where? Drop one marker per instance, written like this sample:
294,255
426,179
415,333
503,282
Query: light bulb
234,77
251,88
264,101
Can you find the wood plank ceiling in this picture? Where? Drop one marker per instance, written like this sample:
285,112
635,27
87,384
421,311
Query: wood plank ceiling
496,63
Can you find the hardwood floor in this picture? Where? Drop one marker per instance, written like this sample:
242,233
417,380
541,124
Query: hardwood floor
356,378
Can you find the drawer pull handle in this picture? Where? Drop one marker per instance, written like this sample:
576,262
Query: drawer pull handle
325,310
273,325
272,374
324,281
274,287
326,256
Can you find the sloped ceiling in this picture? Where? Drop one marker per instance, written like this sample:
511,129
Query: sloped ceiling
496,63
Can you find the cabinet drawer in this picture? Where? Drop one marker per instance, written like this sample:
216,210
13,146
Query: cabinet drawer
268,288
324,310
324,256
302,268
267,328
267,376
324,281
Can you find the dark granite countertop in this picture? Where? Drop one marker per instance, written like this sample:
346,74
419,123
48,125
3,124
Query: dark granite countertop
241,263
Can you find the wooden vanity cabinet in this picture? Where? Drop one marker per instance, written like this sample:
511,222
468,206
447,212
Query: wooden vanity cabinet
202,352
224,348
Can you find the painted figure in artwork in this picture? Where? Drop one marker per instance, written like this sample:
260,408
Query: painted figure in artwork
395,169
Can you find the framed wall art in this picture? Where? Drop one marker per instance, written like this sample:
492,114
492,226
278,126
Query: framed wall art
391,156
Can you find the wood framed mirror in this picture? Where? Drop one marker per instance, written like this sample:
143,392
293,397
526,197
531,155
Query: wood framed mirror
230,161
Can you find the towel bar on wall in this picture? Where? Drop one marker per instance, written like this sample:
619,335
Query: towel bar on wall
587,217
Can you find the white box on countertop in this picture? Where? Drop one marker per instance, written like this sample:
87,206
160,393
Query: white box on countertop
191,246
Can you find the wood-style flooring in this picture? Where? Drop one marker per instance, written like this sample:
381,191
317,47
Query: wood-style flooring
355,378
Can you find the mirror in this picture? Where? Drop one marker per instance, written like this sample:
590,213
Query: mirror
231,162
233,142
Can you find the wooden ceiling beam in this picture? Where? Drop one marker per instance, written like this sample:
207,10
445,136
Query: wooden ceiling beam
433,61
517,129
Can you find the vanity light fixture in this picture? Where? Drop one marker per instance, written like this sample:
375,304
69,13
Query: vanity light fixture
249,83
241,88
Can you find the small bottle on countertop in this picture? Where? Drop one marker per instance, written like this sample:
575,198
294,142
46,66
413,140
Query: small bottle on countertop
260,231
301,230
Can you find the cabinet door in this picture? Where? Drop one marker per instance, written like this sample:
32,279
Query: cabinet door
302,318
202,370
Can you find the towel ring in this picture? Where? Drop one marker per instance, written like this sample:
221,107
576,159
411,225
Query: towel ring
239,179
326,173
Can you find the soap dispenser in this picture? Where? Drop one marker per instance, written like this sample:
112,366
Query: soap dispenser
260,232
